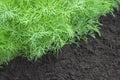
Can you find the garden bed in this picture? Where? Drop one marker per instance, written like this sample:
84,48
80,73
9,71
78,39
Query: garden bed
98,59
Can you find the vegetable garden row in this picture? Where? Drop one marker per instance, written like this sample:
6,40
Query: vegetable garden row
32,28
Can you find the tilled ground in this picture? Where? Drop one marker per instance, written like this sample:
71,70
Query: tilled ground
99,59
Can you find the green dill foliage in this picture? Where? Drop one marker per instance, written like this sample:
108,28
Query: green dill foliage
30,28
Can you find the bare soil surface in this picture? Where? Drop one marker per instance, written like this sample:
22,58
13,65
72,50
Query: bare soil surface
98,59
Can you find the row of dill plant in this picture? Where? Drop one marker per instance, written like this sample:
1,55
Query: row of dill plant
30,28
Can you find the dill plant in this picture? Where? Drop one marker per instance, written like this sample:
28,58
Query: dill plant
30,28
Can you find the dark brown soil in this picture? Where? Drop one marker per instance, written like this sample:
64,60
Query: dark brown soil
99,59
